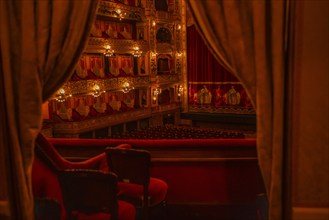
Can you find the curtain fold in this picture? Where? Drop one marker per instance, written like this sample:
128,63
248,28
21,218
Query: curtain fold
40,42
247,37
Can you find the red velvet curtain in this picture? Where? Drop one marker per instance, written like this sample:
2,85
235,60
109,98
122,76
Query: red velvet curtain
206,69
205,72
40,43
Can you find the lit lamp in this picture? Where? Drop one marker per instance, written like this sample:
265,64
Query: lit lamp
156,92
119,13
137,52
60,95
154,54
108,51
180,90
97,91
126,87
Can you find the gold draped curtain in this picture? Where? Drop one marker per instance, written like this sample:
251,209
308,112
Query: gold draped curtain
248,38
40,42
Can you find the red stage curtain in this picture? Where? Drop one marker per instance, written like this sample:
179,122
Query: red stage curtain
206,69
205,72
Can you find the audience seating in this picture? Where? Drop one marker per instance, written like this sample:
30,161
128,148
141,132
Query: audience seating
91,194
46,166
178,132
133,169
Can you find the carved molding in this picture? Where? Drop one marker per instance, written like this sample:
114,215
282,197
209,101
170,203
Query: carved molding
109,120
166,79
110,9
83,87
120,46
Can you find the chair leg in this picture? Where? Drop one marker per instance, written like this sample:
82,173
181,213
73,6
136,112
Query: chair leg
159,212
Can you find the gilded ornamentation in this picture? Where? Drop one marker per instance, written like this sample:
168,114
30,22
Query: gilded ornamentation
120,46
115,10
93,93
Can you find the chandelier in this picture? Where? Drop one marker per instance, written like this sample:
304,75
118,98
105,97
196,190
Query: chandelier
137,52
61,96
126,87
108,51
97,91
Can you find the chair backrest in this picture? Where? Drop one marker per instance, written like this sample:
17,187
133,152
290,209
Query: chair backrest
262,206
130,165
89,192
47,208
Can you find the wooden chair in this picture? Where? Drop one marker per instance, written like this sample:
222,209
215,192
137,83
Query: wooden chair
136,186
47,208
91,194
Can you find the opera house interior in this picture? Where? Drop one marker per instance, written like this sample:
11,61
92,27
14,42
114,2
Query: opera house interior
164,109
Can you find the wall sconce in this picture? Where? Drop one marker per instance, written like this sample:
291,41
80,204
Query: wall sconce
97,91
60,95
108,52
119,14
126,87
153,23
154,54
157,91
179,26
137,52
179,54
180,90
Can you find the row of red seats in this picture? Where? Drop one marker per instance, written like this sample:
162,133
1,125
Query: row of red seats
177,132
49,165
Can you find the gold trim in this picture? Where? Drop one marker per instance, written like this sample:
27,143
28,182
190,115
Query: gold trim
216,159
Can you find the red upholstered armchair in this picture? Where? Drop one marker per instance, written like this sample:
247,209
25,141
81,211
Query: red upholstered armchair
48,162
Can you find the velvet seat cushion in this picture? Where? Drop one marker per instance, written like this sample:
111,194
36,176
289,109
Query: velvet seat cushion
126,212
45,184
157,190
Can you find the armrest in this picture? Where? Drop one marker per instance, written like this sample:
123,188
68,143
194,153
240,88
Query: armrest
98,162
